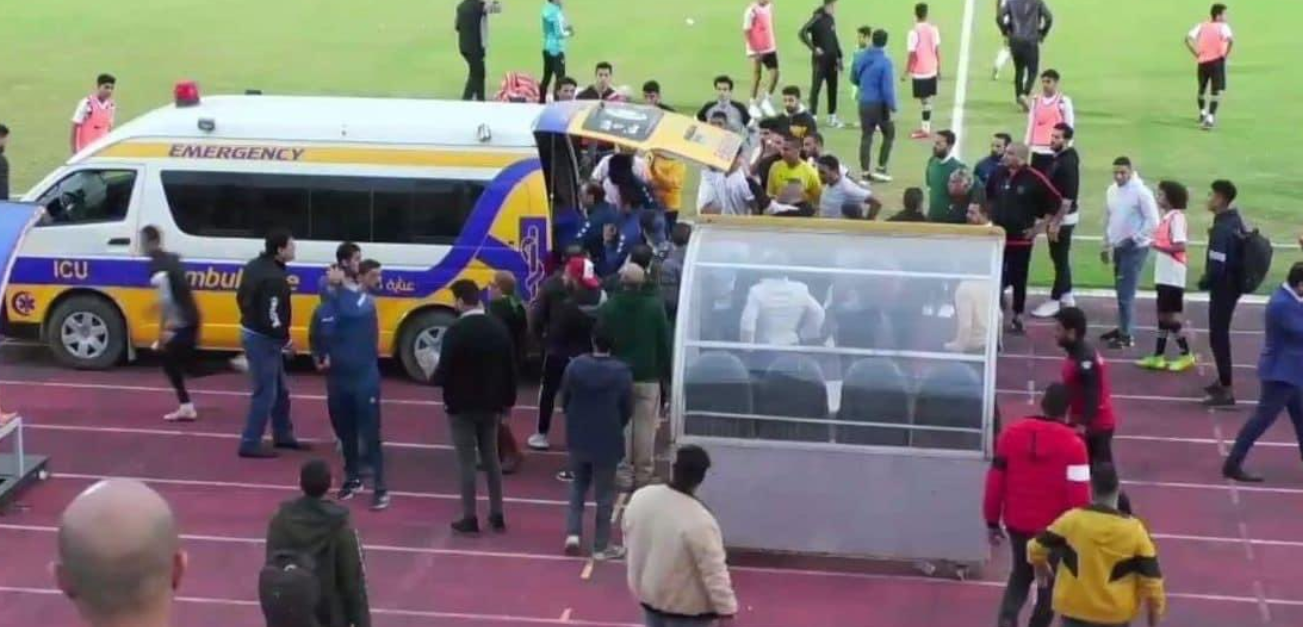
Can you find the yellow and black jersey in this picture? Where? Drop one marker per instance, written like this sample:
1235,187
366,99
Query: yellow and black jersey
1107,565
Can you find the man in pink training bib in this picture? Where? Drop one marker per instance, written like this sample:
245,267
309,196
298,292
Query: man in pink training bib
762,49
924,66
93,118
1210,43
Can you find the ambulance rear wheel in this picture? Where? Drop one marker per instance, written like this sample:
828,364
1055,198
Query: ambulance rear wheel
421,340
87,332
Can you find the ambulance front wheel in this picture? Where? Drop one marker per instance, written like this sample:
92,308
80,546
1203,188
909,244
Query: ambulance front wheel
87,332
421,340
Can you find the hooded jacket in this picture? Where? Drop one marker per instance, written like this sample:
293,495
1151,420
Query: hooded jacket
264,297
597,394
1039,472
323,530
874,75
563,317
1107,566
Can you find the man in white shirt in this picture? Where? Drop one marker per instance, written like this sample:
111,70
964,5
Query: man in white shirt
1130,219
780,312
839,191
602,174
726,193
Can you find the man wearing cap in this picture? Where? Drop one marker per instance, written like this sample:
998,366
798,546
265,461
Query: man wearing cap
563,318
635,319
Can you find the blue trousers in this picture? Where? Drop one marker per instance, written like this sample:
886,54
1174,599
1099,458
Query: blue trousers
354,406
1128,262
1276,396
270,395
602,479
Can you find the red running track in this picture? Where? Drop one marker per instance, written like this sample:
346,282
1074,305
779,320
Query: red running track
1232,555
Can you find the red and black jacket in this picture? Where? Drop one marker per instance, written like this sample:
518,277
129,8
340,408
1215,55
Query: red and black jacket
1086,374
1039,472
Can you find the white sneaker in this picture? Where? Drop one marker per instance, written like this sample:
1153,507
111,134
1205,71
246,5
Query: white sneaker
185,413
1046,309
239,363
767,105
608,554
946,311
880,175
754,111
1067,300
835,122
538,442
572,545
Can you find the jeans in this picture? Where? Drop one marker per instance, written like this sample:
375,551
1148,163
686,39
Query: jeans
1277,396
639,464
554,366
553,67
656,619
825,72
602,478
1017,264
271,395
874,116
1026,63
1021,577
477,435
178,352
1128,262
1221,310
355,414
475,76
1060,254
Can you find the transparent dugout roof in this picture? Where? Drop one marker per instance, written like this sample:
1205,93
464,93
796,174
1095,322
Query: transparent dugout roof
838,333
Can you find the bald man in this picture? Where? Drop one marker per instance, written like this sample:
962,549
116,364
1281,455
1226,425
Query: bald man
120,557
1020,198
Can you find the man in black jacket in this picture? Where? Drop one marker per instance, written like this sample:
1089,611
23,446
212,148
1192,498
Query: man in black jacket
1064,172
1025,24
321,531
264,300
179,322
472,40
1221,279
477,372
1020,197
820,35
562,318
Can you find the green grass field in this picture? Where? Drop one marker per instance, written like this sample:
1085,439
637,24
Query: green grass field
1123,64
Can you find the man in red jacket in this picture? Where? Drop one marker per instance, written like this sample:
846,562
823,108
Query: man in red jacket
1039,472
1086,375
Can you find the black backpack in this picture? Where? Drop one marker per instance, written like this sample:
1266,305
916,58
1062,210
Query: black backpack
1255,259
289,590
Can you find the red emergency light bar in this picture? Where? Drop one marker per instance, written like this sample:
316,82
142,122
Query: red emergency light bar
186,94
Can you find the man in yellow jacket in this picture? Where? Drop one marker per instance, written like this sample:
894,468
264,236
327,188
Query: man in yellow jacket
1107,564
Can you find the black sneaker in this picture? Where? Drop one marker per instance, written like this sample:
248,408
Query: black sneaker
1220,399
466,525
349,490
1236,473
293,445
1212,388
1016,326
380,502
261,452
1120,341
1110,336
565,476
498,523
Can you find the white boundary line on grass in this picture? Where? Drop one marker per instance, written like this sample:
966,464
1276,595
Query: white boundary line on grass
961,76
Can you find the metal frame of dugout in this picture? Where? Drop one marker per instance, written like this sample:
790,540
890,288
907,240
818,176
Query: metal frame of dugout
816,360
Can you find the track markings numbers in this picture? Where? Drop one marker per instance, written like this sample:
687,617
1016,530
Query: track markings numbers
565,616
1031,392
587,572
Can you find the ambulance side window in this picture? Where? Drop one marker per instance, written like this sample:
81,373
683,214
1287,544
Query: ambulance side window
89,197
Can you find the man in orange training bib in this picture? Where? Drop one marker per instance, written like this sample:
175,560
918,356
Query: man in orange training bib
93,118
1210,42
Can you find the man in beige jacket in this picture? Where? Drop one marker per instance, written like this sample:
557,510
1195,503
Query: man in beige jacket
677,567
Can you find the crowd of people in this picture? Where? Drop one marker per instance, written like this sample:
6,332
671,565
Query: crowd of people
603,321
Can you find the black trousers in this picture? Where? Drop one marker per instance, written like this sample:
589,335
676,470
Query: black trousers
1221,310
554,366
475,76
875,116
1026,64
1017,264
825,72
178,353
553,67
1021,578
1060,255
1042,162
1099,447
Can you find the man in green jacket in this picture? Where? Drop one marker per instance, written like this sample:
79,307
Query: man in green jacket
321,531
635,318
940,166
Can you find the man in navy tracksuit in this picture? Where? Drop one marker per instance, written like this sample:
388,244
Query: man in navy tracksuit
345,338
1222,280
1280,368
